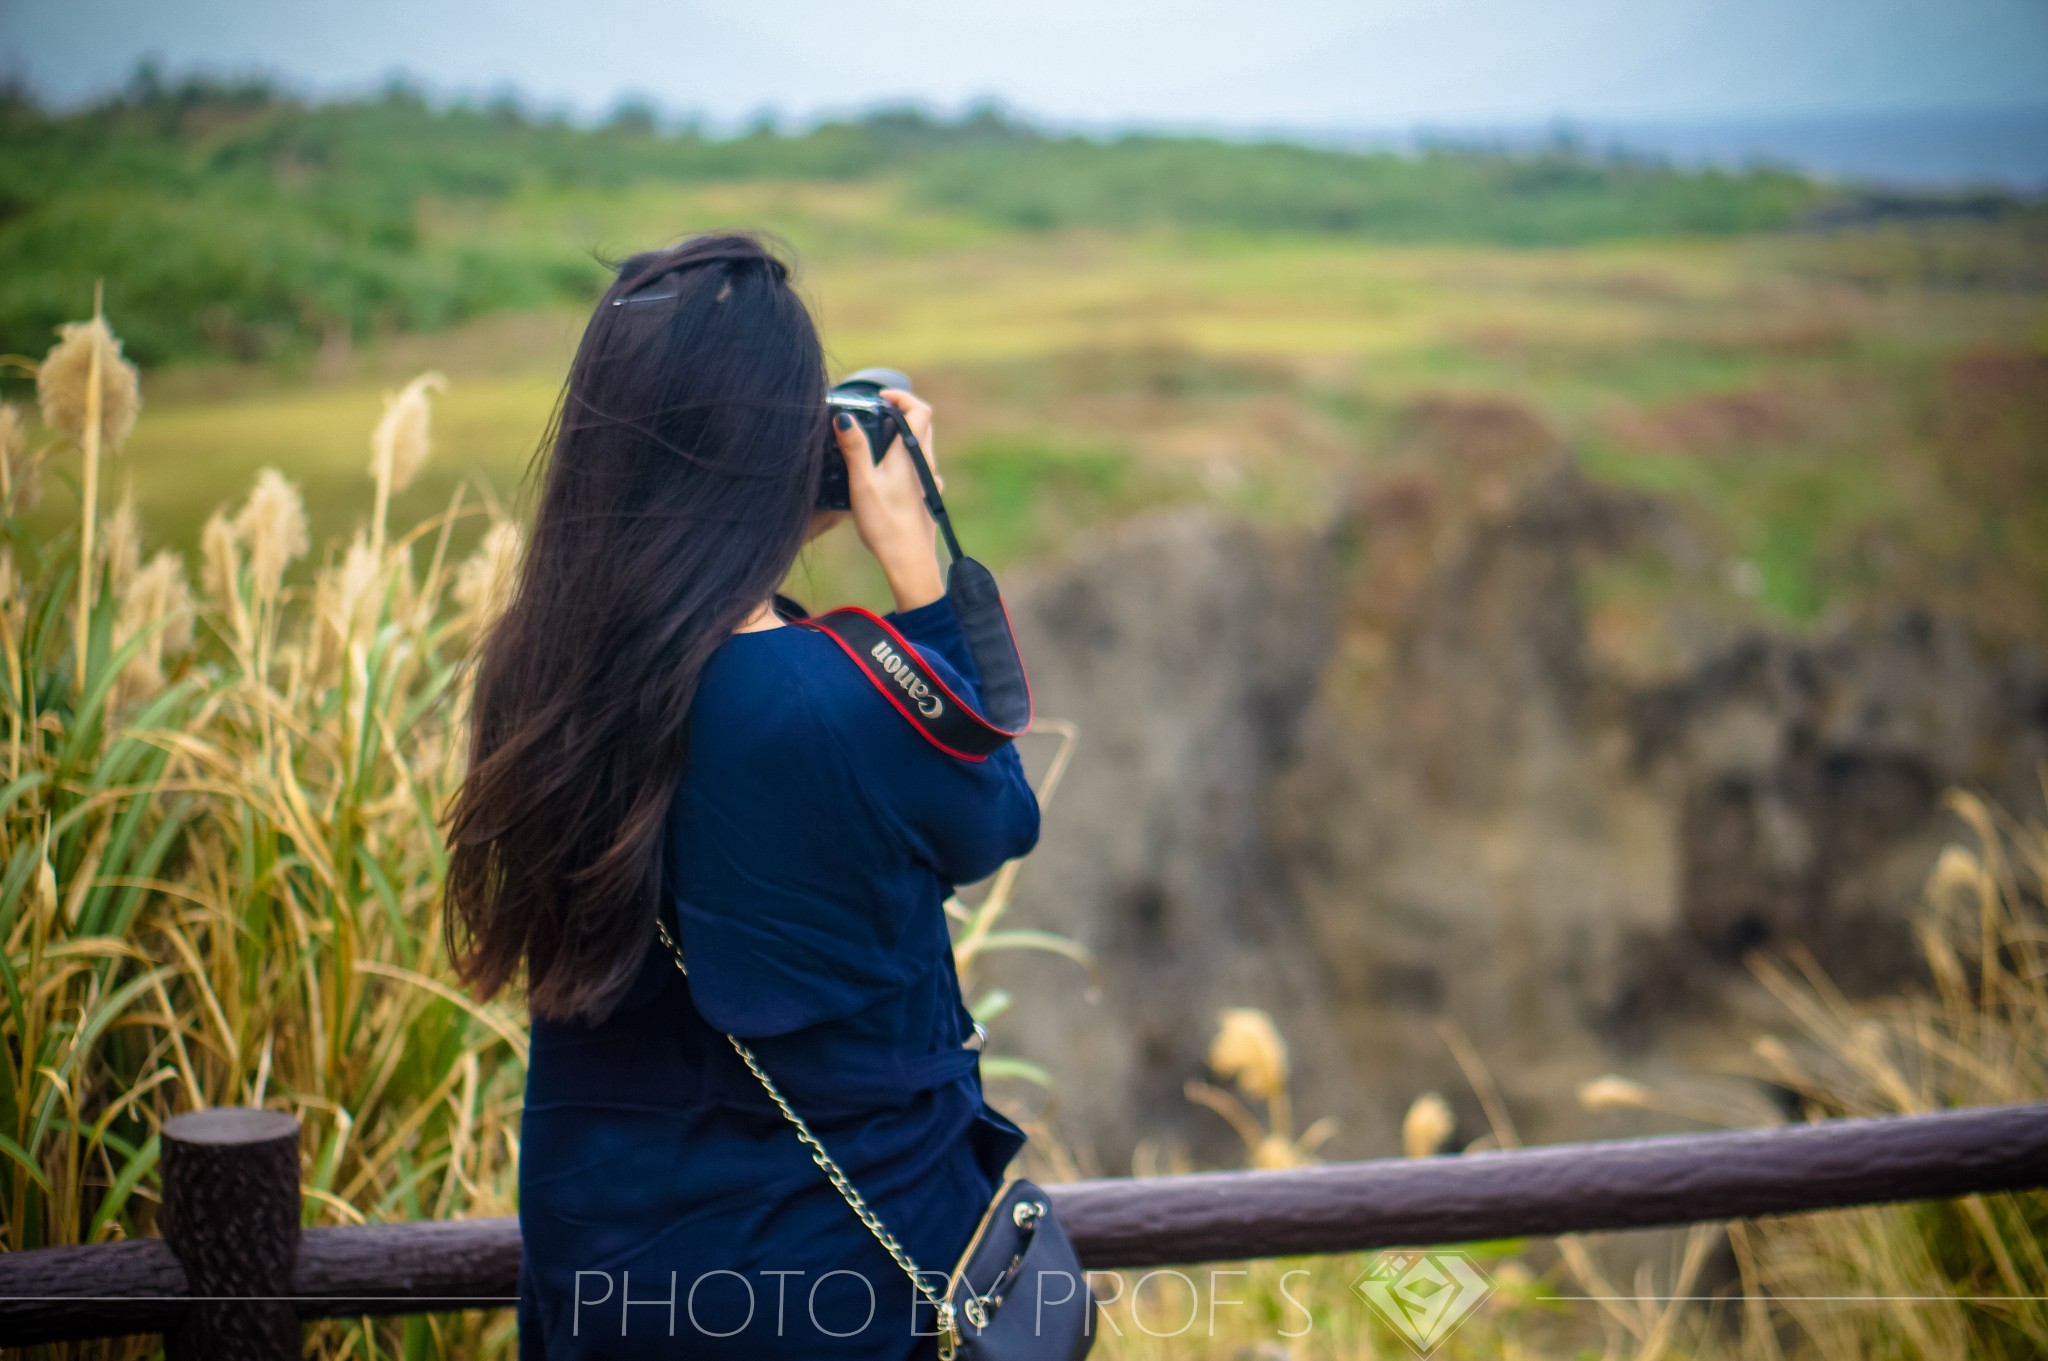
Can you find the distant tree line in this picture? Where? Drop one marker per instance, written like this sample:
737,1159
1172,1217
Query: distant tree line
235,219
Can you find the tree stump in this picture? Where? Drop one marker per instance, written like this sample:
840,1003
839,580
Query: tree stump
231,1214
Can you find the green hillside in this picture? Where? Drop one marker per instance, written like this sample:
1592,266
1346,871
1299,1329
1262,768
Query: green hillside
237,221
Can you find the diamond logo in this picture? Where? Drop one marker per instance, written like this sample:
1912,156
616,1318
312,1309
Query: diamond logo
1423,1296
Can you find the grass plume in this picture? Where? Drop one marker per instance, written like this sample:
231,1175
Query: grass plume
222,876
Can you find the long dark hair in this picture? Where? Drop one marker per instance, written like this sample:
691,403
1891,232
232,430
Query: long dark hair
685,459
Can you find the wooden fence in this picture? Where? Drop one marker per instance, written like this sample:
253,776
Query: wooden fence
234,1277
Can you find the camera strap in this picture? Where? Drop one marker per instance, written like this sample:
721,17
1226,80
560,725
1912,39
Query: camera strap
947,721
895,668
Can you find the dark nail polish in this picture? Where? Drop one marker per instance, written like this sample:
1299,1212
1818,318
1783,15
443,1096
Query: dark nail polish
842,421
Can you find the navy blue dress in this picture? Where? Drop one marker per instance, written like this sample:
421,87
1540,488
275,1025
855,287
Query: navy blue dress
667,1209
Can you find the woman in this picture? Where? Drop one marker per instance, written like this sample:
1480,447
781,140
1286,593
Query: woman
653,735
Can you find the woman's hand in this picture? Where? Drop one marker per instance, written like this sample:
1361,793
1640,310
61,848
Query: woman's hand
889,512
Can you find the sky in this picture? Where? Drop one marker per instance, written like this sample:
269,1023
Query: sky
1253,64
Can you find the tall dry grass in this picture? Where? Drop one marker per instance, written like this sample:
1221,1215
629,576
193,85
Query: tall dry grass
1941,1278
223,870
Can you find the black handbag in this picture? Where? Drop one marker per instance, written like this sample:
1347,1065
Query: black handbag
1018,1291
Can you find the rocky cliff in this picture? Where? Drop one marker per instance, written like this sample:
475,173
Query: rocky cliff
1392,775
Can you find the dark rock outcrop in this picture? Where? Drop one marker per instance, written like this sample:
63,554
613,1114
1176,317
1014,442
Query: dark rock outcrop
1375,780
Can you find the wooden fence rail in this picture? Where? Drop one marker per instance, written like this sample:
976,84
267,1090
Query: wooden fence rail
234,1277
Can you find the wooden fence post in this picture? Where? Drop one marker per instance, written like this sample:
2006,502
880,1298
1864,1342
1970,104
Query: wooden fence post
231,1214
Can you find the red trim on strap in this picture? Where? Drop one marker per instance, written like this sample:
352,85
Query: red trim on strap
974,715
888,692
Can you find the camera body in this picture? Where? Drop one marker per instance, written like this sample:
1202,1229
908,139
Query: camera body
859,396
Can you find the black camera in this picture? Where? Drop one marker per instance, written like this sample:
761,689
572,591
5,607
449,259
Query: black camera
1005,693
859,396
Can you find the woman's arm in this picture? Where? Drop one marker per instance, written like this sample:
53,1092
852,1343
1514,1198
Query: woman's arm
964,818
936,628
889,512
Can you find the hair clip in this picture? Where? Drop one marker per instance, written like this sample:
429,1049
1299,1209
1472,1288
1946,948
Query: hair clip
643,297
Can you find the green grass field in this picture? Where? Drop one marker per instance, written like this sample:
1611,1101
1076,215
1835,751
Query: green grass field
1794,391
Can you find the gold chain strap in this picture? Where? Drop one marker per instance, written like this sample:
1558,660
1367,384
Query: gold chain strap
948,1336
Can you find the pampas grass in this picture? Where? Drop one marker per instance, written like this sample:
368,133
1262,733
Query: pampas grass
222,871
90,395
399,445
1248,1051
1427,1127
86,389
1950,1278
271,526
121,545
154,620
20,480
1615,1093
484,584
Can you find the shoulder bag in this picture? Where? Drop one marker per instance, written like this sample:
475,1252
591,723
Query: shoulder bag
1018,1291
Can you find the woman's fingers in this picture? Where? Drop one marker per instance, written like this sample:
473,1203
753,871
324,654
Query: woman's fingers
853,440
909,403
917,414
916,410
876,487
890,517
864,475
855,449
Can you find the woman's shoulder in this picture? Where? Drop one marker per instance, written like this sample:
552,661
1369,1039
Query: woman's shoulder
782,683
798,682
